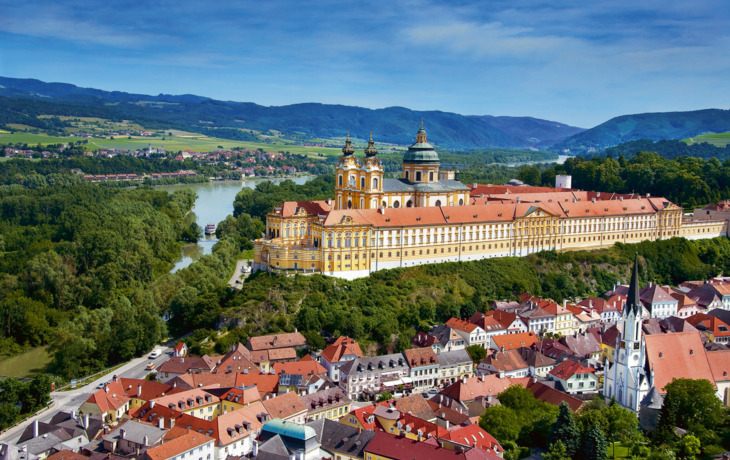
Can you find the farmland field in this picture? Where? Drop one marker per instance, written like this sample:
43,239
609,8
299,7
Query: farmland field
179,141
718,140
26,364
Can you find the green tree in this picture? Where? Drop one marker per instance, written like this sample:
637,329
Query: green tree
594,444
385,396
476,353
688,446
691,405
556,451
565,431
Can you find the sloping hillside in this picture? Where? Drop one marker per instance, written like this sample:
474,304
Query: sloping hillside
395,125
652,126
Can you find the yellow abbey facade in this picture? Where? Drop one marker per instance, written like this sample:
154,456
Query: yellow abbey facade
428,216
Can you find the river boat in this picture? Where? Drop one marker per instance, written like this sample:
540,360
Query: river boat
210,229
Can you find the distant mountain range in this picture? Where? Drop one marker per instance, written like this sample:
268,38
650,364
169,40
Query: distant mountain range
651,126
395,125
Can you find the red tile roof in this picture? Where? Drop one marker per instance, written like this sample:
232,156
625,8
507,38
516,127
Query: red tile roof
284,406
266,383
471,388
569,368
461,324
109,398
417,357
301,367
341,347
267,342
513,341
719,364
677,355
178,446
476,437
401,448
553,396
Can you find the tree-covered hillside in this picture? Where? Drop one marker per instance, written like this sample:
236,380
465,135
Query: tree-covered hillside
395,125
652,126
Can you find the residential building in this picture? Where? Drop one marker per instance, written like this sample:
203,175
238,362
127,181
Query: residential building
191,445
538,364
658,302
575,378
196,402
374,375
342,442
334,355
175,367
110,402
386,446
285,439
424,368
505,364
713,327
331,403
513,341
288,407
454,365
132,438
471,333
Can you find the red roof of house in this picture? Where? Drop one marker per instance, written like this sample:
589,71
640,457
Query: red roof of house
341,347
461,324
301,367
418,357
569,368
513,341
109,398
471,388
285,405
268,342
475,436
177,446
401,448
677,355
553,396
266,383
708,323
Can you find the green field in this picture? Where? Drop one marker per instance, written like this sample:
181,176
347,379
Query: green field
179,141
26,364
718,140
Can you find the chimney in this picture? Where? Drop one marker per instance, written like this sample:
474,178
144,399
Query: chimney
145,441
35,428
139,390
86,421
172,423
329,201
122,432
161,423
73,414
152,403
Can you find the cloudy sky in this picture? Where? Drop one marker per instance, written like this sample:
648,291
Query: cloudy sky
577,62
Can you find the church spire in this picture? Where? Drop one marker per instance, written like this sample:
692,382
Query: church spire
633,301
347,150
371,151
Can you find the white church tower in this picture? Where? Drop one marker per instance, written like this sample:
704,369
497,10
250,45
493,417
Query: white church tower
627,380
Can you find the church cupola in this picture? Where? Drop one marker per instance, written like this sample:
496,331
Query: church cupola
347,150
421,135
371,151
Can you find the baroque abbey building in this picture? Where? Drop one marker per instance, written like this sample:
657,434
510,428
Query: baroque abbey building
428,216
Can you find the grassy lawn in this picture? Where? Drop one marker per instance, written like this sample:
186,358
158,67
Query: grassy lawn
621,451
27,363
719,140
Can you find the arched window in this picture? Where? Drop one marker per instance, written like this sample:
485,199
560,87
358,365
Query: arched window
430,176
418,176
385,204
438,203
409,204
461,201
396,204
375,183
349,204
339,179
407,176
352,181
362,183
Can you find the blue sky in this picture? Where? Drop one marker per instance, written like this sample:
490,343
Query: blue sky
576,62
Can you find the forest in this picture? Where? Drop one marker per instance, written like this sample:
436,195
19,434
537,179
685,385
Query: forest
686,181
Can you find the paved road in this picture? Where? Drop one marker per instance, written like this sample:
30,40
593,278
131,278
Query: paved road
68,401
238,274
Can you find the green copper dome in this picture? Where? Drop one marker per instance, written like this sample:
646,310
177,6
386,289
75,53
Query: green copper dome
421,152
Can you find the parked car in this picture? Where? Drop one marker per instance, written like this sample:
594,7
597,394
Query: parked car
155,353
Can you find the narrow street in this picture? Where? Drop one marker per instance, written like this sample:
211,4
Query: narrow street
71,400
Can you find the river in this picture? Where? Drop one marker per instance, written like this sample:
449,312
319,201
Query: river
214,203
561,159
